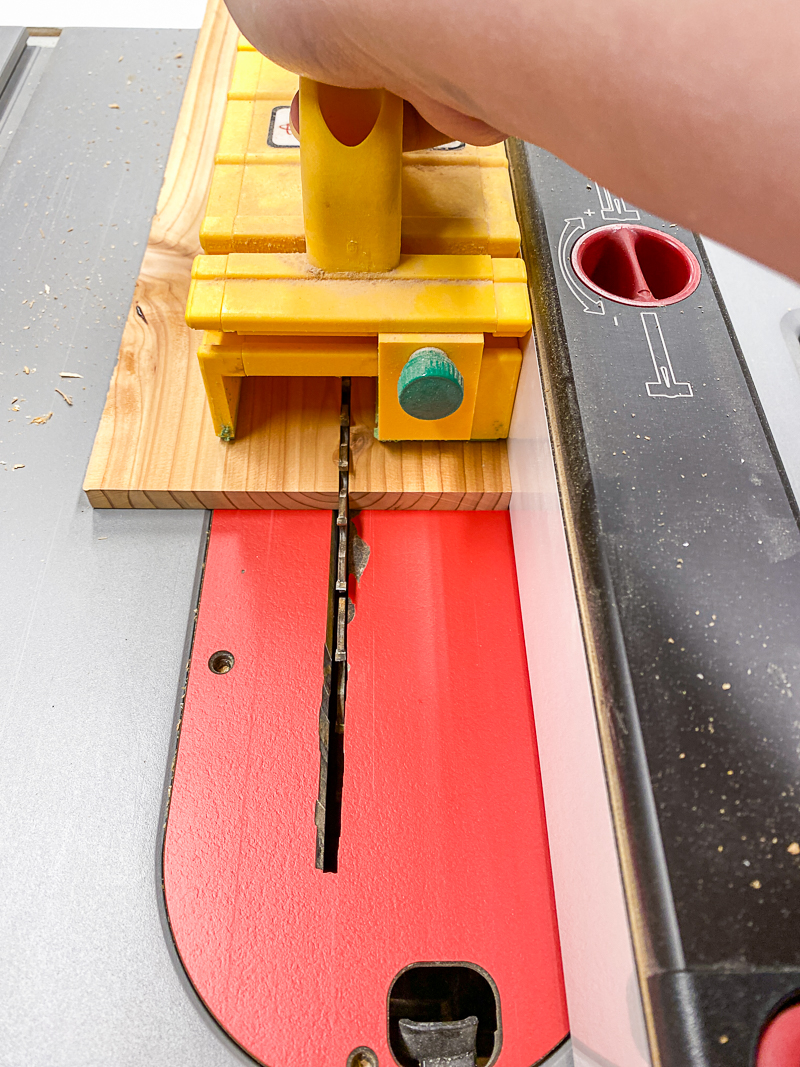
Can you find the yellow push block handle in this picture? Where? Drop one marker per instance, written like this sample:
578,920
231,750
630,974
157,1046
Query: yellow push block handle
351,143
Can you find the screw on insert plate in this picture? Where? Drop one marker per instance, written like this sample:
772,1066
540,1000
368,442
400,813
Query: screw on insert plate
362,1057
221,662
430,385
441,1044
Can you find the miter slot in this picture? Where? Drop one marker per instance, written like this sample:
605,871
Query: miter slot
328,815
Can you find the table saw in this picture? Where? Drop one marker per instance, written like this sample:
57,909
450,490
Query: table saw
181,881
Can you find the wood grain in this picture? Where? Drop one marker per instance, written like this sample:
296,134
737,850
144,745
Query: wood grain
155,446
422,475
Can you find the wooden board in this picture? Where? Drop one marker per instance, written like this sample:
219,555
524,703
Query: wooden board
155,447
422,475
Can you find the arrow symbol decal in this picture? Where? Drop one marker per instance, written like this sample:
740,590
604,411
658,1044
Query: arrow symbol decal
571,228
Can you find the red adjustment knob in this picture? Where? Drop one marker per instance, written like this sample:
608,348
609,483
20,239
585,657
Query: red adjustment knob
780,1042
636,265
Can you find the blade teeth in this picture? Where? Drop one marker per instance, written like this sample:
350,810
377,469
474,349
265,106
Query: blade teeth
328,810
343,522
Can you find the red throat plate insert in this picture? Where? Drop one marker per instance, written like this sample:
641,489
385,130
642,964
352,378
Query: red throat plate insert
443,850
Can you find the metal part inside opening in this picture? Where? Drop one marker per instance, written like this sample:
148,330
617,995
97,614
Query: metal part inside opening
221,662
446,992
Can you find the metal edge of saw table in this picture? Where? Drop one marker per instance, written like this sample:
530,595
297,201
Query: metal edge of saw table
23,59
13,39
95,604
764,308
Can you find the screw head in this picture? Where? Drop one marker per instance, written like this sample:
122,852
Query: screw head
221,662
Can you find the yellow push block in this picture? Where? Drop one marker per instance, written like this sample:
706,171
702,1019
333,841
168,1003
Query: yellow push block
350,264
463,156
394,351
269,217
283,294
497,387
245,74
455,200
448,209
314,357
291,357
216,229
222,378
511,295
235,132
226,358
351,146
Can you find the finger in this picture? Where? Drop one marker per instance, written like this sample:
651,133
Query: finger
457,125
418,132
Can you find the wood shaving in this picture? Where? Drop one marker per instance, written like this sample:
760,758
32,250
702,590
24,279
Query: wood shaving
67,398
18,466
114,106
27,370
68,374
179,55
40,420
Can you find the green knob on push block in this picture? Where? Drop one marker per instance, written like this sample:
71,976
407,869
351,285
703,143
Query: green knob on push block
430,385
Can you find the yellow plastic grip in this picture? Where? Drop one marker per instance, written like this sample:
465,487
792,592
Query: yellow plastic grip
351,144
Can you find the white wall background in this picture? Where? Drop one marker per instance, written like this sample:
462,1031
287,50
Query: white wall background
171,14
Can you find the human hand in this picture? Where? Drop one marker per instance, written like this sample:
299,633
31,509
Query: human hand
417,133
688,108
309,38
